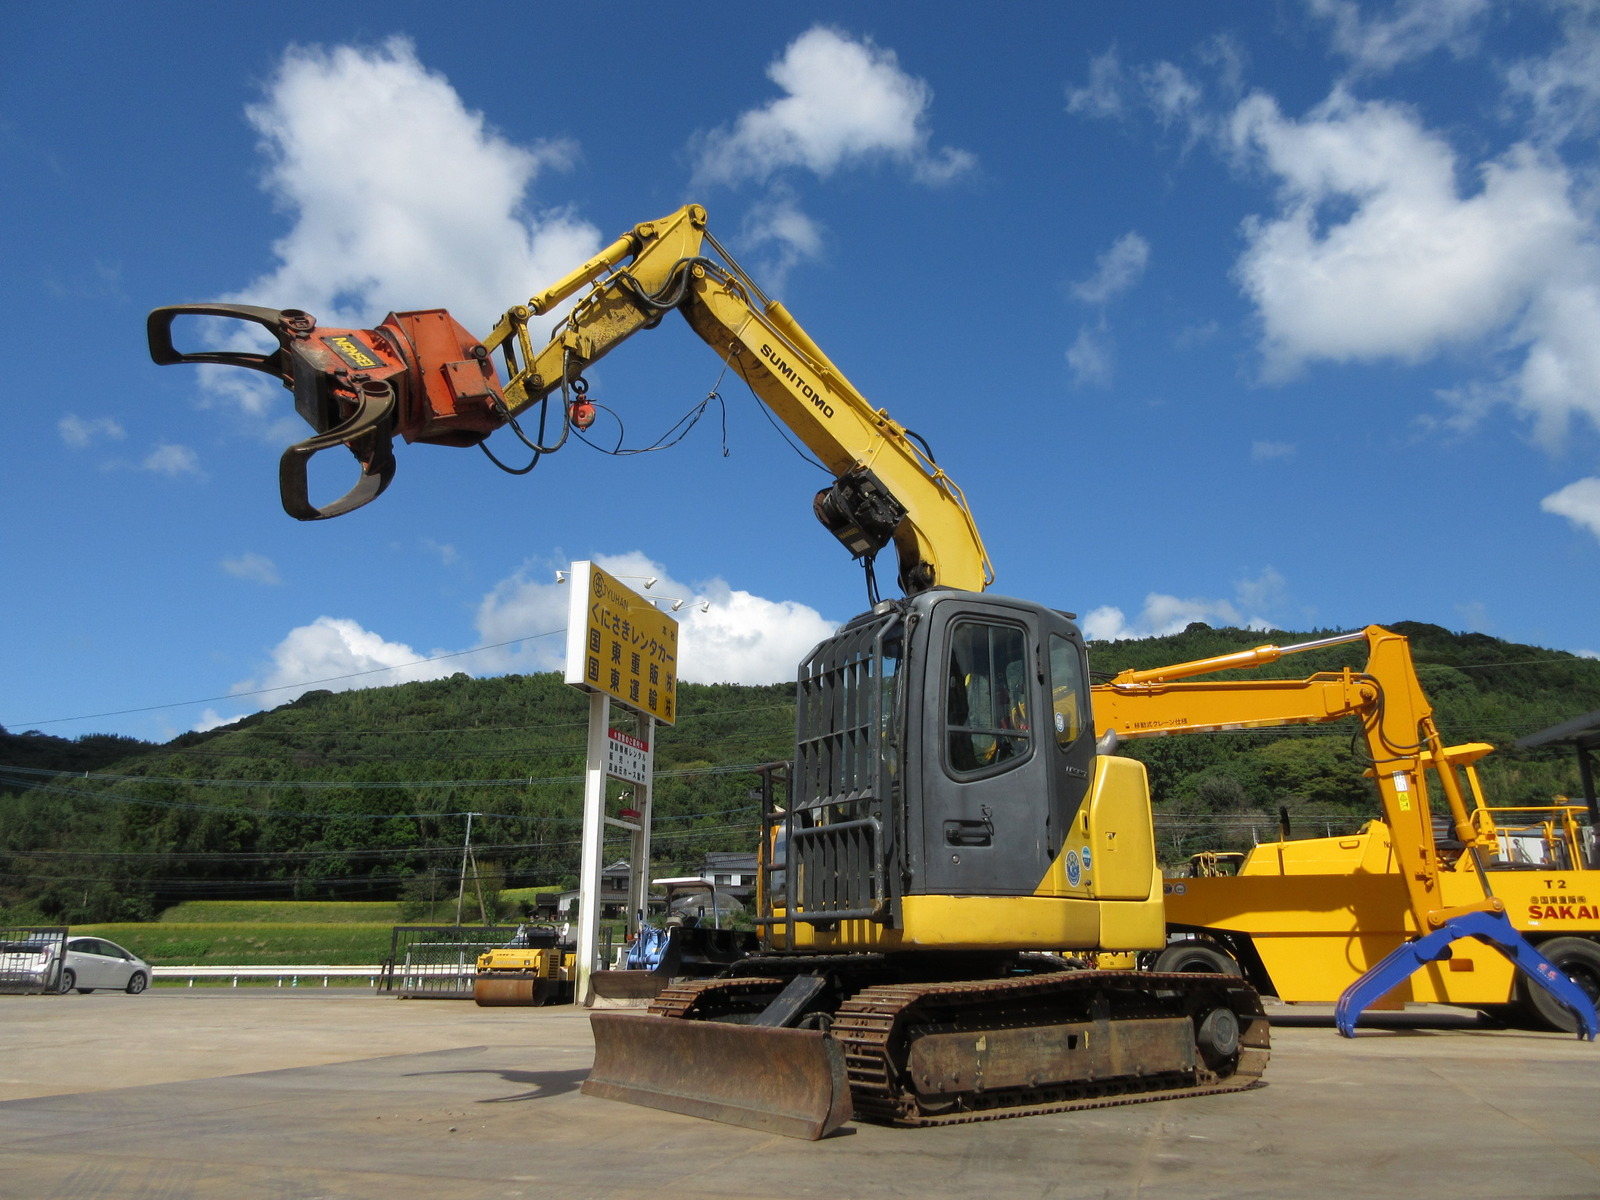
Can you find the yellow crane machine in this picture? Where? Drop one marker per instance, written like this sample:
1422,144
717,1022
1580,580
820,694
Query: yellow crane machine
1421,905
954,848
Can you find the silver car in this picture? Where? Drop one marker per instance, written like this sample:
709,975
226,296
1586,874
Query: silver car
29,963
92,963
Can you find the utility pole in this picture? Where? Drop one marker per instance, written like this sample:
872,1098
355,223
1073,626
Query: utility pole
466,851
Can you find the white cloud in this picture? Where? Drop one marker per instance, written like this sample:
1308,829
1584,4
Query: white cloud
516,610
171,460
1578,502
846,102
1117,270
1195,335
777,225
1261,452
746,638
257,568
740,638
1116,92
79,432
1415,29
1092,356
743,638
400,197
1560,376
1474,616
1410,266
1170,92
338,654
1264,593
1164,614
210,719
1385,243
1562,89
448,555
1105,95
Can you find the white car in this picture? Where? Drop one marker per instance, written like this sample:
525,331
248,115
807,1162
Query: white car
92,963
29,962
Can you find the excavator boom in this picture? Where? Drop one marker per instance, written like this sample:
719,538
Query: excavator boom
422,377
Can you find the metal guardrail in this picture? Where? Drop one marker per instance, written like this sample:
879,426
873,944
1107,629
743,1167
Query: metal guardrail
296,976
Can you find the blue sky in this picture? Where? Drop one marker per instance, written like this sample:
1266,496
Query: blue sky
1283,314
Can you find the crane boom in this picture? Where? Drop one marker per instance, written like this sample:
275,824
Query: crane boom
1386,697
1404,744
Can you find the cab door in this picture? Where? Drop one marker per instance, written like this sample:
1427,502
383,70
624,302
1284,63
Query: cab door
985,780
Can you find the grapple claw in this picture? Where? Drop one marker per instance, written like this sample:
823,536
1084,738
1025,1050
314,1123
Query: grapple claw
418,374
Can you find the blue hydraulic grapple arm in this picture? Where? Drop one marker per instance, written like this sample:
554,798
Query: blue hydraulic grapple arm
1493,929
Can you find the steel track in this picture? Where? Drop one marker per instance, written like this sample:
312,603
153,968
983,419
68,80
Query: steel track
877,1025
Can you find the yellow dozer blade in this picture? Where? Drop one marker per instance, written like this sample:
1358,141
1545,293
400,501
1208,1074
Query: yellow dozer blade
787,1081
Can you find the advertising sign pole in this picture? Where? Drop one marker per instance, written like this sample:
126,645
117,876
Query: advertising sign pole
619,647
594,814
639,889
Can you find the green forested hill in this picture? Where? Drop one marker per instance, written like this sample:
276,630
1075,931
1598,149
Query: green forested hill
361,795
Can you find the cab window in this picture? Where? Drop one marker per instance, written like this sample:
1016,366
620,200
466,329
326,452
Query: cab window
986,716
1068,693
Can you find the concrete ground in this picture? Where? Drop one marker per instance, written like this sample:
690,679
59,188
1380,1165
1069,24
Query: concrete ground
257,1093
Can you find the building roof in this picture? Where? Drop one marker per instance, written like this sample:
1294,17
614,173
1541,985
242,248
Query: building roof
730,860
1583,732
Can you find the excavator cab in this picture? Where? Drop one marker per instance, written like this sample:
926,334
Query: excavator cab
942,750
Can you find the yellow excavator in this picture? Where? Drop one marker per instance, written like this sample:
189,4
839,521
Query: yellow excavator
955,852
1477,906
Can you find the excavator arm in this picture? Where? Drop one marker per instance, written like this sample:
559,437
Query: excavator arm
1403,743
422,376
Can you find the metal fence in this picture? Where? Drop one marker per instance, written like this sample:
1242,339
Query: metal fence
30,958
438,962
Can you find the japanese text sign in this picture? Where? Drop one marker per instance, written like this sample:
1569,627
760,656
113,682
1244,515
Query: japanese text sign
621,644
627,757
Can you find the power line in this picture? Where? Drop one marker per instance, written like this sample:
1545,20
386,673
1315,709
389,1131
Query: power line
685,721
303,814
372,852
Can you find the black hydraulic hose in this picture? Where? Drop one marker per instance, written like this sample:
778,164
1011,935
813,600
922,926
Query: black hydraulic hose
926,449
537,446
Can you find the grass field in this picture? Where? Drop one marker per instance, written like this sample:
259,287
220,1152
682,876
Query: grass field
286,912
269,933
249,944
249,933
